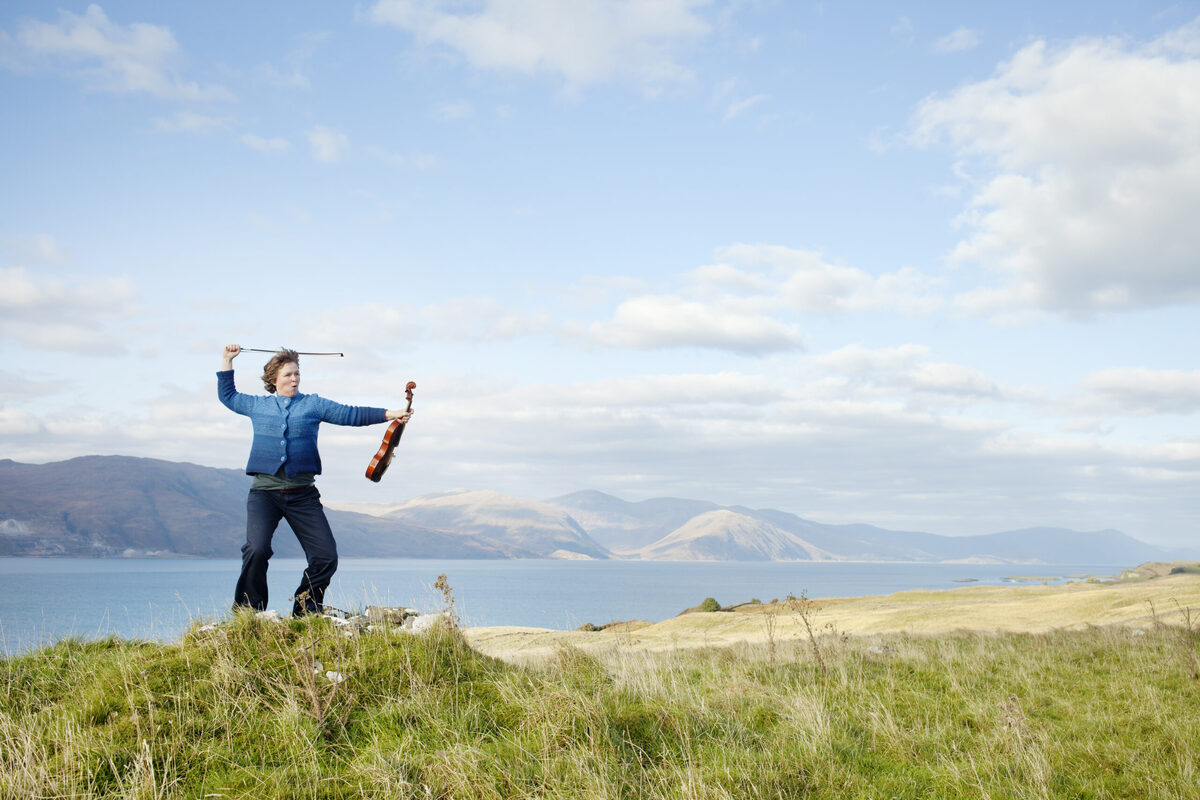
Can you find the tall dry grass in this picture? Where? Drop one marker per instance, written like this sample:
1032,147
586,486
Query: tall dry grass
250,710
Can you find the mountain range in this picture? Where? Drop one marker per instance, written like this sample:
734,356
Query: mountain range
105,506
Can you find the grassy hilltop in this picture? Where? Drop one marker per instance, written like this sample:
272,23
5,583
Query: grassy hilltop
258,709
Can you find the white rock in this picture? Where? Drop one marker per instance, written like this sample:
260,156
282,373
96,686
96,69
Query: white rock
427,623
270,614
206,628
335,677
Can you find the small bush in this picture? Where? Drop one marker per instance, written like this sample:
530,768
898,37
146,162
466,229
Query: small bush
710,604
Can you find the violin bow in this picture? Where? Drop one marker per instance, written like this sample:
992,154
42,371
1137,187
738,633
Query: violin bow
391,437
259,350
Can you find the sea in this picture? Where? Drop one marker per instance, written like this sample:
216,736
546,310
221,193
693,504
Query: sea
48,599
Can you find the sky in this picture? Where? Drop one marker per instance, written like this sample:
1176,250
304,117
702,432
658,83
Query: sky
929,266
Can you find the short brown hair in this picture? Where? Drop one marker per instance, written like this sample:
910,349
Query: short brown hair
272,367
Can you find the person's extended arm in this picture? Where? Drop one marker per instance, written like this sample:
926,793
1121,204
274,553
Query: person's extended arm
226,391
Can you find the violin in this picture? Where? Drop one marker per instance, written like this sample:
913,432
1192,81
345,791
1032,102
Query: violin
391,437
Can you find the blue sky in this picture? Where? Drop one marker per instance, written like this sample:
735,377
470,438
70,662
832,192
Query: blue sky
927,266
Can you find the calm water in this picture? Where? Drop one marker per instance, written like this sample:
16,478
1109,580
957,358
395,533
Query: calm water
46,599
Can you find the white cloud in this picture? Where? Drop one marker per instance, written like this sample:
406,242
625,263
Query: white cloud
803,281
18,422
741,106
424,160
904,30
271,146
54,314
835,438
327,146
906,371
834,452
656,321
671,391
584,42
1093,150
295,62
137,58
190,122
957,41
452,111
413,160
747,302
24,387
41,248
732,101
462,319
1139,391
480,319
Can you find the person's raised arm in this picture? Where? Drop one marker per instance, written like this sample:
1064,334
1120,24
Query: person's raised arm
228,355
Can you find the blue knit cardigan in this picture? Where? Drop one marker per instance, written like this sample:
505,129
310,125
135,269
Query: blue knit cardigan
285,428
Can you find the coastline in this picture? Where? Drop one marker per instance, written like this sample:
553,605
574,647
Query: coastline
1135,601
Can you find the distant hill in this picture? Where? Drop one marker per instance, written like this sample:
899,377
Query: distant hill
725,535
123,506
525,528
709,536
1028,546
622,526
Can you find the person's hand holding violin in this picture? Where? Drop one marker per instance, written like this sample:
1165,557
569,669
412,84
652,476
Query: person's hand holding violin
403,415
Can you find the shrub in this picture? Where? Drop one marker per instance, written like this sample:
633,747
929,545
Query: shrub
710,604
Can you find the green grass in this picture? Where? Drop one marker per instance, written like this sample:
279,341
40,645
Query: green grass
240,712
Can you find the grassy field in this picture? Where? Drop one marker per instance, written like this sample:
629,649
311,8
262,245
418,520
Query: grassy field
297,709
1136,601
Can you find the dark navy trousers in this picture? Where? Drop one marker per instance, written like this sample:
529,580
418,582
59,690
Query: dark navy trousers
304,513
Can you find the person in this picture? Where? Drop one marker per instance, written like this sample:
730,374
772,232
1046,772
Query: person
284,462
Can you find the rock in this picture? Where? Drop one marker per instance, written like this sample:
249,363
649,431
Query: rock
355,623
270,615
206,628
876,650
394,615
426,623
335,677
